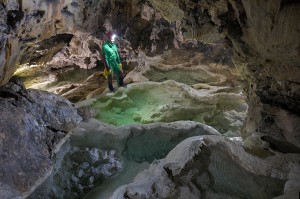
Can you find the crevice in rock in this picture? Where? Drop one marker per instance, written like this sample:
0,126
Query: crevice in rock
281,145
126,196
6,94
169,172
285,3
268,92
13,17
56,130
53,136
39,13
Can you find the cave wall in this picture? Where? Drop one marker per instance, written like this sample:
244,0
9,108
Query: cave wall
28,26
265,39
264,36
23,23
32,124
268,55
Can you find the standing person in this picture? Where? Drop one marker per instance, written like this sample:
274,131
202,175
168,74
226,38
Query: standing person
112,61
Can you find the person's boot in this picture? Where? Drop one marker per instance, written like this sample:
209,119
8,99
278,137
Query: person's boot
110,84
121,82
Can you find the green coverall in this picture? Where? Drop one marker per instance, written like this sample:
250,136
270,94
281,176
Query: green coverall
112,60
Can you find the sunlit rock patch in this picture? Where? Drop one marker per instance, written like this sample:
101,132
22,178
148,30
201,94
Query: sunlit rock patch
72,83
35,76
39,77
150,102
75,84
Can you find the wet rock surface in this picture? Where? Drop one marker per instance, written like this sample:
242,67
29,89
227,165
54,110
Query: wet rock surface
32,123
263,37
83,169
210,167
97,151
70,82
169,101
201,64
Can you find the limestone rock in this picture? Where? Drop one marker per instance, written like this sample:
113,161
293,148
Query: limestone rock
27,26
210,167
82,169
169,101
104,150
32,124
264,36
81,91
83,51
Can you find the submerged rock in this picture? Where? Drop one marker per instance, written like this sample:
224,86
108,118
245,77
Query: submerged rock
98,152
82,169
169,101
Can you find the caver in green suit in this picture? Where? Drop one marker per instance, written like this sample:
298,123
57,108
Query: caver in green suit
113,62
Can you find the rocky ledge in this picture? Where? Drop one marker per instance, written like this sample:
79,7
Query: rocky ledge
32,123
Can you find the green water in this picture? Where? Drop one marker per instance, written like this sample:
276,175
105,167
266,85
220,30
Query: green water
169,103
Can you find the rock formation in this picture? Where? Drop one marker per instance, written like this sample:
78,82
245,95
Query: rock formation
32,124
263,35
211,167
151,102
97,151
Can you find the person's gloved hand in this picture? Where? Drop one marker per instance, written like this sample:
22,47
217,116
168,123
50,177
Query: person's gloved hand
120,66
106,73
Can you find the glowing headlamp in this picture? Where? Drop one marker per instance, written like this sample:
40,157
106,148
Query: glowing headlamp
113,37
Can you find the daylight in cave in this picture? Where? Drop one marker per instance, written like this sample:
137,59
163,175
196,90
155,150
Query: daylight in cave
148,99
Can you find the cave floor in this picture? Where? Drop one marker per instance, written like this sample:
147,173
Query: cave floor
166,90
